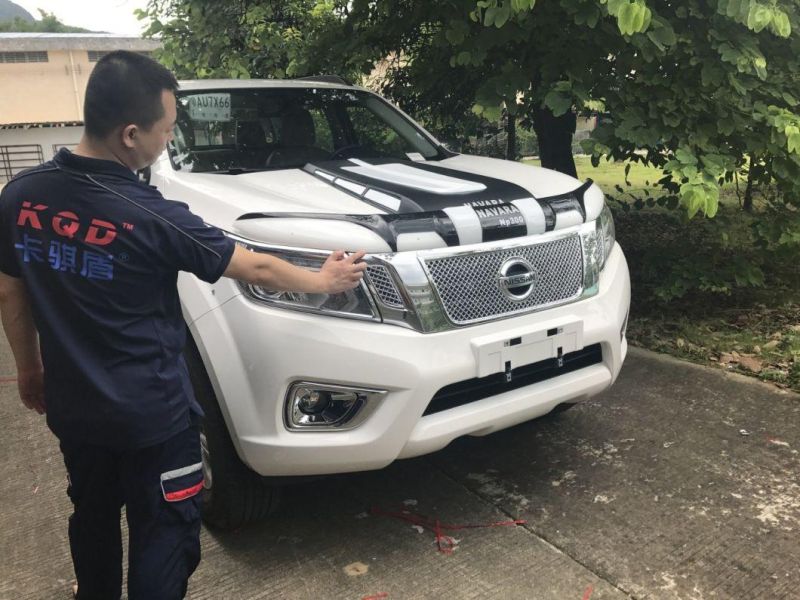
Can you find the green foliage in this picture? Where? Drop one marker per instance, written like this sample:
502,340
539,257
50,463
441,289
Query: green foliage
700,100
674,259
241,39
48,23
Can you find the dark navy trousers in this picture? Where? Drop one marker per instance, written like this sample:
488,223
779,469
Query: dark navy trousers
161,488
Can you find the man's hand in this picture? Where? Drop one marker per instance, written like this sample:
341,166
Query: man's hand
31,390
338,273
342,272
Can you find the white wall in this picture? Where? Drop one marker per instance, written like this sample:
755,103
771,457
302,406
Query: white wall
44,136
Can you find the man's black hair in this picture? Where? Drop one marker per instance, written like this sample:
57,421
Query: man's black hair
125,88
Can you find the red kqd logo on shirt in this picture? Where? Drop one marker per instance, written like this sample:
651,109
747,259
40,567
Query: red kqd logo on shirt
66,224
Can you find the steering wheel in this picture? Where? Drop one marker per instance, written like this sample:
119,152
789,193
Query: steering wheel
336,153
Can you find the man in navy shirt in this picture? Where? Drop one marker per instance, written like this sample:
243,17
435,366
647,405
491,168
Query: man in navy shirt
89,259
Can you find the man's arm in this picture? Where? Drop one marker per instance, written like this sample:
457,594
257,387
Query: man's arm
22,335
339,273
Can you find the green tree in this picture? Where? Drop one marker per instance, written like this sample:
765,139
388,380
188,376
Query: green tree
238,39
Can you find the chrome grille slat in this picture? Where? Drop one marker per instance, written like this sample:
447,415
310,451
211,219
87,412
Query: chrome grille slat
384,285
467,283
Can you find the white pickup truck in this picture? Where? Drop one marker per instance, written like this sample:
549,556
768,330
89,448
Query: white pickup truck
495,292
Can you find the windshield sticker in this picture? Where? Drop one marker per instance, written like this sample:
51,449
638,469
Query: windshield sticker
210,107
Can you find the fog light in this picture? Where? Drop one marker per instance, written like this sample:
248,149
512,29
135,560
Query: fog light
318,406
311,401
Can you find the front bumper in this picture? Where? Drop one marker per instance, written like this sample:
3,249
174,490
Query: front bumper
254,352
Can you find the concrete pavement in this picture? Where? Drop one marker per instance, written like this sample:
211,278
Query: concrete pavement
679,482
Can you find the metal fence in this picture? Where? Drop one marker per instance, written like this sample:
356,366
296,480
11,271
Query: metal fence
14,159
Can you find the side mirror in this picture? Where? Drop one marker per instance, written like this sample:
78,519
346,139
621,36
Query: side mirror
144,175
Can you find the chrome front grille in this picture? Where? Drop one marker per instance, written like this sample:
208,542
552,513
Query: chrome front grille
384,286
468,283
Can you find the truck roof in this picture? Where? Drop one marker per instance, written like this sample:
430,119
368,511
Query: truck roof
210,84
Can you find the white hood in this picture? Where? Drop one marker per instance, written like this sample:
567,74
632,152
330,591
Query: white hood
410,205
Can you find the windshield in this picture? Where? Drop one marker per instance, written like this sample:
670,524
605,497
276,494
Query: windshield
266,128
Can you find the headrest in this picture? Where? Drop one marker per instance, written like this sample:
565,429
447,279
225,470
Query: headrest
297,128
250,134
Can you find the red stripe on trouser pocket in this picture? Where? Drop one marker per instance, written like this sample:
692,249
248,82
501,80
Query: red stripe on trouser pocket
183,494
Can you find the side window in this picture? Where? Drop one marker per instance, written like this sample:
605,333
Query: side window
322,130
373,132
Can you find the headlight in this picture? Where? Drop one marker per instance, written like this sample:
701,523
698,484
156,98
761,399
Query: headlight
598,241
355,303
606,235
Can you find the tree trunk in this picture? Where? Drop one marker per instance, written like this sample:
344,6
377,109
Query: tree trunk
555,140
748,192
752,174
511,137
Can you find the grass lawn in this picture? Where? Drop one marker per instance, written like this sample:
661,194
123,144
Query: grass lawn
750,329
608,175
641,181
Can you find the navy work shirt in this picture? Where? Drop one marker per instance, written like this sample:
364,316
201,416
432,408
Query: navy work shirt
100,252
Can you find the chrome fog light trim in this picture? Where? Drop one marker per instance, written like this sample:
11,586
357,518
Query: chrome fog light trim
313,406
624,328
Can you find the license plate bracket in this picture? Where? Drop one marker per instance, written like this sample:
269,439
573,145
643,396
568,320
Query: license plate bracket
503,352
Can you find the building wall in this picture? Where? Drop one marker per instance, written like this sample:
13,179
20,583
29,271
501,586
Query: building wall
45,92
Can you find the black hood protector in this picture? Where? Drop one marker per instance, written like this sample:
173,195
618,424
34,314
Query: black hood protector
415,211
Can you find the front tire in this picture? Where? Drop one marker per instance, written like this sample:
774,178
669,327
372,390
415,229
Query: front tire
234,495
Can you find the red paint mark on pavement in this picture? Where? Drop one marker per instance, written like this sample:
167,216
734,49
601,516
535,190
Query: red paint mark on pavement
588,593
377,596
444,543
8,379
776,441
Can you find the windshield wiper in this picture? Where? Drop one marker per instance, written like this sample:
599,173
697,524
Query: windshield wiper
240,170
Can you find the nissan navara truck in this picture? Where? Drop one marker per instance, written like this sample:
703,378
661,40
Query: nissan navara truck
494,293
